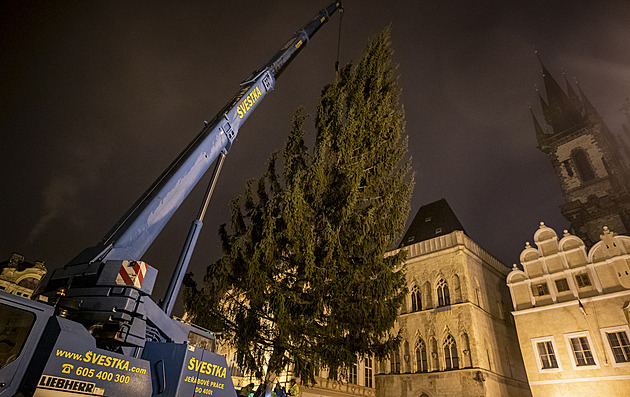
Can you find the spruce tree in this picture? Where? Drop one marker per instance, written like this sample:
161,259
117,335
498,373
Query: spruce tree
304,278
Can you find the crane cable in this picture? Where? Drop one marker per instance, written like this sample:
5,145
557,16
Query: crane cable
338,45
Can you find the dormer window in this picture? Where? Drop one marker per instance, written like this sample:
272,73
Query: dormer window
540,289
582,280
562,285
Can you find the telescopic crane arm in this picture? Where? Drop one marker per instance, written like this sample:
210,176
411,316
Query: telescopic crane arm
100,332
108,283
138,228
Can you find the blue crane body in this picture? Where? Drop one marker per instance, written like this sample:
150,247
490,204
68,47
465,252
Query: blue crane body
94,330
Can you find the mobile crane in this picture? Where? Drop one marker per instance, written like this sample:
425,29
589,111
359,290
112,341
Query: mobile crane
94,329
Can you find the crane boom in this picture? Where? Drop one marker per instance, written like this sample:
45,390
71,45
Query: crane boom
95,328
132,235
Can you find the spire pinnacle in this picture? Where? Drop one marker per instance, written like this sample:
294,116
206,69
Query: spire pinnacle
561,113
574,99
545,108
541,137
589,109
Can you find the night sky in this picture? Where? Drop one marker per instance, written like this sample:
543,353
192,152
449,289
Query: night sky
97,98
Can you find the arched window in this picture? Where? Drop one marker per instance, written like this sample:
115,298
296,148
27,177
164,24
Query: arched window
421,356
428,302
582,165
395,362
416,299
29,282
444,298
451,359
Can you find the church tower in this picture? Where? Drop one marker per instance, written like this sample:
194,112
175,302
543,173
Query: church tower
590,162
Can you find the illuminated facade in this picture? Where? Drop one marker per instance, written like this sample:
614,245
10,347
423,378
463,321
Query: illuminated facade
571,308
458,335
19,277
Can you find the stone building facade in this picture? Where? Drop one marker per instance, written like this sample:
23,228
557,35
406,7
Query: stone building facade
358,383
19,277
572,312
458,335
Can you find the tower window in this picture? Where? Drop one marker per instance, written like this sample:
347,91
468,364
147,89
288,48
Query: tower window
444,298
416,299
582,165
421,356
395,362
567,166
451,359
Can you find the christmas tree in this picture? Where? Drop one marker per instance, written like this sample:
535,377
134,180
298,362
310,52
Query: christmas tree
305,279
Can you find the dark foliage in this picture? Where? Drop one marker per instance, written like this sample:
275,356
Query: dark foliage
305,279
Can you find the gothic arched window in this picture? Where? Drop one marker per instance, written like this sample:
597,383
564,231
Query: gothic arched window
451,359
395,362
421,356
416,299
582,165
444,298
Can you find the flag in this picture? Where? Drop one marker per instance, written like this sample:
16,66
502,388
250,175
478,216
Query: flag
581,306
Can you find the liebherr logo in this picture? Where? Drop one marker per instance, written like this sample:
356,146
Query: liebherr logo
56,383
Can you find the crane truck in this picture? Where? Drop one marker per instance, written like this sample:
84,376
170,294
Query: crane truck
93,329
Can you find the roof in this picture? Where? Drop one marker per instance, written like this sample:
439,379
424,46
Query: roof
432,220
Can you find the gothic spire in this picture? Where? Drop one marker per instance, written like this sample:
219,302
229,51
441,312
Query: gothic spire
574,99
540,134
547,113
589,109
562,114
